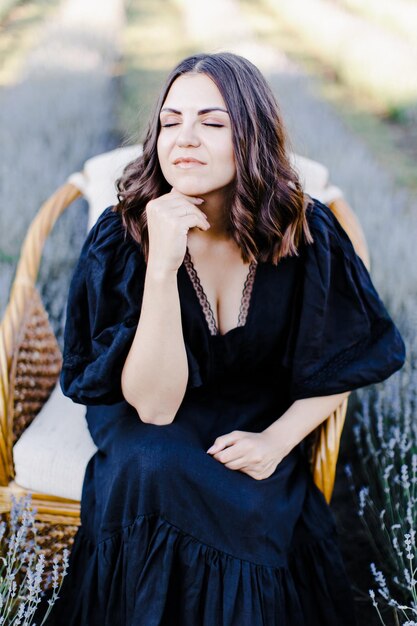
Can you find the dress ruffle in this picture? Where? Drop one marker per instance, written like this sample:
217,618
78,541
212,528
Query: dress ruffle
176,580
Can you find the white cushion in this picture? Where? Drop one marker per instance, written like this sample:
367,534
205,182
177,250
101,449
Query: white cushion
97,180
52,454
314,178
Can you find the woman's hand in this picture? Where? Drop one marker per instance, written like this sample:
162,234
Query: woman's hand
169,217
255,454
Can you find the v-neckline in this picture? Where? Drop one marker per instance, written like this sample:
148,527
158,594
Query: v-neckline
204,303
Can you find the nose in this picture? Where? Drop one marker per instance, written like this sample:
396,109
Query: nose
186,135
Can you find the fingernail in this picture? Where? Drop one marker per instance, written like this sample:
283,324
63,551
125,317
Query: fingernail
210,449
200,200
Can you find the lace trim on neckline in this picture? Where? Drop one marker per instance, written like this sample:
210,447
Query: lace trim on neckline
204,301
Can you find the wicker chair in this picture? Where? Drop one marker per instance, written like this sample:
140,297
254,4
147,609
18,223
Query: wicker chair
30,358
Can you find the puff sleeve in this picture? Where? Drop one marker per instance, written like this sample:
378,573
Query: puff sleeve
102,313
342,336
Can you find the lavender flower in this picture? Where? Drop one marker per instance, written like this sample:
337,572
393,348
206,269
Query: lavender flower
19,597
385,433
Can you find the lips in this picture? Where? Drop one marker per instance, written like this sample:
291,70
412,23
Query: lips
187,160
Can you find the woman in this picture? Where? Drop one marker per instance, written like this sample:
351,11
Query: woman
217,315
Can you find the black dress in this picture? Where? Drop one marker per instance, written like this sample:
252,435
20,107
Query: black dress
170,536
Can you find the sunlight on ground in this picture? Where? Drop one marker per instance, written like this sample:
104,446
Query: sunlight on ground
399,17
377,63
390,142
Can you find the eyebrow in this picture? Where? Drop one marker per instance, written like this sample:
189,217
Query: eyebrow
201,112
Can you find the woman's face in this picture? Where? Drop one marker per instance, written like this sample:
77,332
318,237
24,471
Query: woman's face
195,125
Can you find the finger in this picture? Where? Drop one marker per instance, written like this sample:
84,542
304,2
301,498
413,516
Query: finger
236,464
187,222
234,451
192,220
182,210
194,199
224,440
225,456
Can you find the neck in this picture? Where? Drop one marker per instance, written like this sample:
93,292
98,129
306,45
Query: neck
216,206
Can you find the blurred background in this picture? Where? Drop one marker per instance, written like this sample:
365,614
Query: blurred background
78,77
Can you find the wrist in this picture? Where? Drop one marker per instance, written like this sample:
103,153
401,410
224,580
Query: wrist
156,272
281,437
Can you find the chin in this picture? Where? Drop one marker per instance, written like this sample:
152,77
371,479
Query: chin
190,188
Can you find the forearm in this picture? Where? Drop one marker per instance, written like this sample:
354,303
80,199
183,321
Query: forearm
155,373
301,418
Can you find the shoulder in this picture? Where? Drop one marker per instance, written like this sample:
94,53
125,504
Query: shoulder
108,237
328,233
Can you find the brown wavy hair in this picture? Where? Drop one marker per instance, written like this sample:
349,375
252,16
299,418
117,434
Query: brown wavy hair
267,217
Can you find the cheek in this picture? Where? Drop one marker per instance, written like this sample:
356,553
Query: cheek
226,163
163,155
227,152
160,149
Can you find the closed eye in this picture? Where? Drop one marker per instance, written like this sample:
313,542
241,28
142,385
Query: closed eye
204,124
